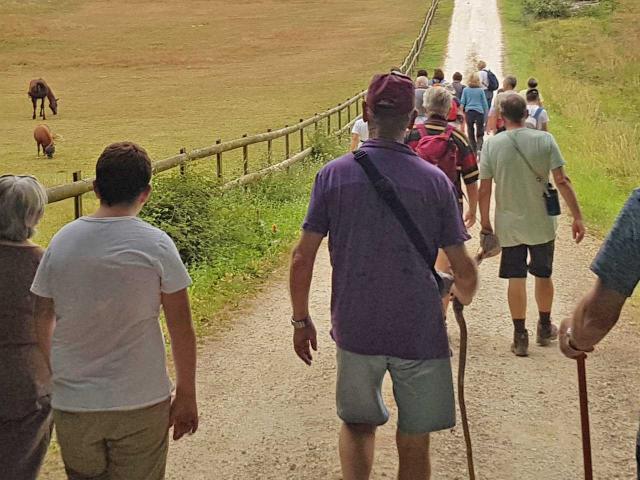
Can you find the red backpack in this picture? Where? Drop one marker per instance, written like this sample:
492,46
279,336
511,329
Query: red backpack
453,113
439,150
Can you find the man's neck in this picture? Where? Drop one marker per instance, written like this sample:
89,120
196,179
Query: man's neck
390,137
513,126
107,211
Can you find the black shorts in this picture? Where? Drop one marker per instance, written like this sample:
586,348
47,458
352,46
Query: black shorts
513,263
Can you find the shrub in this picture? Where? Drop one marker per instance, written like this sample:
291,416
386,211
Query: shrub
547,8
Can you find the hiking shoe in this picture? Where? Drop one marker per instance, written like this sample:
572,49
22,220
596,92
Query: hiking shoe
520,345
546,333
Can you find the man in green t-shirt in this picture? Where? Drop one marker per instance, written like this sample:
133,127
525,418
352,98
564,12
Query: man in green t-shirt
523,225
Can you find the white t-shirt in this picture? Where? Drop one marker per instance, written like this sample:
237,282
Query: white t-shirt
105,276
484,79
362,129
543,117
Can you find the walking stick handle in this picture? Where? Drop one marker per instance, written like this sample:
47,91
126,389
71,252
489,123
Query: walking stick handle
584,418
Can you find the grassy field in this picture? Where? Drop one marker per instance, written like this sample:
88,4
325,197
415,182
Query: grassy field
192,72
589,75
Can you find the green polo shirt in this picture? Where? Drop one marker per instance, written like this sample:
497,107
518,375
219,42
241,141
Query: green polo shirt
521,215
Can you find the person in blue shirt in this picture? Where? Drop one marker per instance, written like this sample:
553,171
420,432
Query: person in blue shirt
474,102
617,266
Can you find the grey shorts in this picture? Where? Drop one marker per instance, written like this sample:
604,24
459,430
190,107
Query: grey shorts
423,390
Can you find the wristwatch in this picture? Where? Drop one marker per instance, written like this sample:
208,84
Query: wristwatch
300,323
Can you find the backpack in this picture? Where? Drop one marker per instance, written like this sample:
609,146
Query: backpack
492,80
532,120
453,113
439,150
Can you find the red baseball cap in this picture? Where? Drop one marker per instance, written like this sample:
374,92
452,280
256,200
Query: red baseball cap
393,92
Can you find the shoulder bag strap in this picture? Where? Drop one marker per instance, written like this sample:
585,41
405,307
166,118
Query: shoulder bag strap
539,177
387,192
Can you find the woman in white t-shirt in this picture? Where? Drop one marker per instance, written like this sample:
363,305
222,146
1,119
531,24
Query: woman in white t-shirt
538,116
359,134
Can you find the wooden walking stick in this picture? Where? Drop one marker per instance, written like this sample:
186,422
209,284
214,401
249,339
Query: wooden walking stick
584,418
458,310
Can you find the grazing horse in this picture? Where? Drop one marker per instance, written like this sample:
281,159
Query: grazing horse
38,89
43,136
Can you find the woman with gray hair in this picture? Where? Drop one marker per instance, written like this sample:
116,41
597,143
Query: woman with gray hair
25,411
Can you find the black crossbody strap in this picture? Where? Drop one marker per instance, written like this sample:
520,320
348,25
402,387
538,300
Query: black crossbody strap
539,177
388,194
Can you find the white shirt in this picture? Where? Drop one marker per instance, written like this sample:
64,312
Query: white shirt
105,276
484,79
543,116
361,128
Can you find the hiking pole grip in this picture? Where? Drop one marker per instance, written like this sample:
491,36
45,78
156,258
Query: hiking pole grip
584,418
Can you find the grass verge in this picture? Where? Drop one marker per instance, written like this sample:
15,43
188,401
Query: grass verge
590,81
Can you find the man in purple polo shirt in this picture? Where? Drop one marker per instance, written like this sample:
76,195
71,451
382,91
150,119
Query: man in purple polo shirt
386,311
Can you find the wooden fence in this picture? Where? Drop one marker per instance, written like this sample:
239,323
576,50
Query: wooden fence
336,120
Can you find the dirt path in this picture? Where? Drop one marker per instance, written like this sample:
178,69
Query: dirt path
265,415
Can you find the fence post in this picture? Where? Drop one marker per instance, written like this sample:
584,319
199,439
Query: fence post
183,167
316,122
339,119
358,107
269,148
245,157
329,125
348,112
286,144
219,161
301,136
77,200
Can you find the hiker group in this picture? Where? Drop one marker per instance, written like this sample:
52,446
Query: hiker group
394,214
80,339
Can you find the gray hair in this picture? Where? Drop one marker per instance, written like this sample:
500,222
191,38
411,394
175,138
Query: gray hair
22,202
510,80
422,82
437,101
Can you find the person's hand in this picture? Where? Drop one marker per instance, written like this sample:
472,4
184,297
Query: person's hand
469,219
486,227
578,230
304,339
565,346
183,416
462,299
447,284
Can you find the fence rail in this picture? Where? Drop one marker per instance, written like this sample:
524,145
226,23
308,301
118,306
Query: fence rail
81,186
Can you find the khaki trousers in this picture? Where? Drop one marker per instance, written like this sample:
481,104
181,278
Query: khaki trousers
114,445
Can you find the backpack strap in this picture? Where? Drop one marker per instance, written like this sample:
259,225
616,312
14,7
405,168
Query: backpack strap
421,129
537,113
387,192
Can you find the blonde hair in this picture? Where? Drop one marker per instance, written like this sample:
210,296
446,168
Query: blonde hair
482,65
474,80
22,202
437,101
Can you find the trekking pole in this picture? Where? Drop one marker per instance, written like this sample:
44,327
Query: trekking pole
584,418
458,310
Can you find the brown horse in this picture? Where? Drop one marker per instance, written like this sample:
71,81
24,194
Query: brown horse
38,89
44,138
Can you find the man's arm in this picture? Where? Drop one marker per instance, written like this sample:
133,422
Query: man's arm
300,276
355,139
593,318
569,195
484,200
465,273
45,318
184,409
492,121
472,196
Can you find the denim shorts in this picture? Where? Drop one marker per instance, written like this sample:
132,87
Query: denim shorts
423,391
